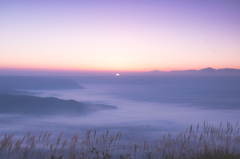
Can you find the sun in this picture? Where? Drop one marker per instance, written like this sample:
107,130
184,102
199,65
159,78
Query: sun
117,74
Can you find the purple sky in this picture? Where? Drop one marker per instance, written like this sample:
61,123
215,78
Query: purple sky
122,35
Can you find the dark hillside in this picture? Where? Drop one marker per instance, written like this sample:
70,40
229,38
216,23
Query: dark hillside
24,104
34,83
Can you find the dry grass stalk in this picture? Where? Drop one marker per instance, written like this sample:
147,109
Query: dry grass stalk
209,143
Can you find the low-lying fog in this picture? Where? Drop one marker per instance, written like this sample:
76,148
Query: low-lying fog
146,109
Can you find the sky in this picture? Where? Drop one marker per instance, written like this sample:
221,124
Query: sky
124,35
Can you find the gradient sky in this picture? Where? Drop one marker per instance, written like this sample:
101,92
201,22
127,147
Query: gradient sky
124,35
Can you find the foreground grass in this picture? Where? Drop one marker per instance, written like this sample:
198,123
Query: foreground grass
209,143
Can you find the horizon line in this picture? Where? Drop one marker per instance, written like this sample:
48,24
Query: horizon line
79,70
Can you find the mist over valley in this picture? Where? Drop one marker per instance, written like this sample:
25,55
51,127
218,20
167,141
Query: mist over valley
141,107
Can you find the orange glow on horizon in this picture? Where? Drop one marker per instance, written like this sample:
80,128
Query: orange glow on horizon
100,70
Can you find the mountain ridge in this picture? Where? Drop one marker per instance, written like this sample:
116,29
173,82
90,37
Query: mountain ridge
37,83
209,71
33,105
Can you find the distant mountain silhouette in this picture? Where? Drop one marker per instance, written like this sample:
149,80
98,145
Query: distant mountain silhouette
24,104
34,83
209,69
202,72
